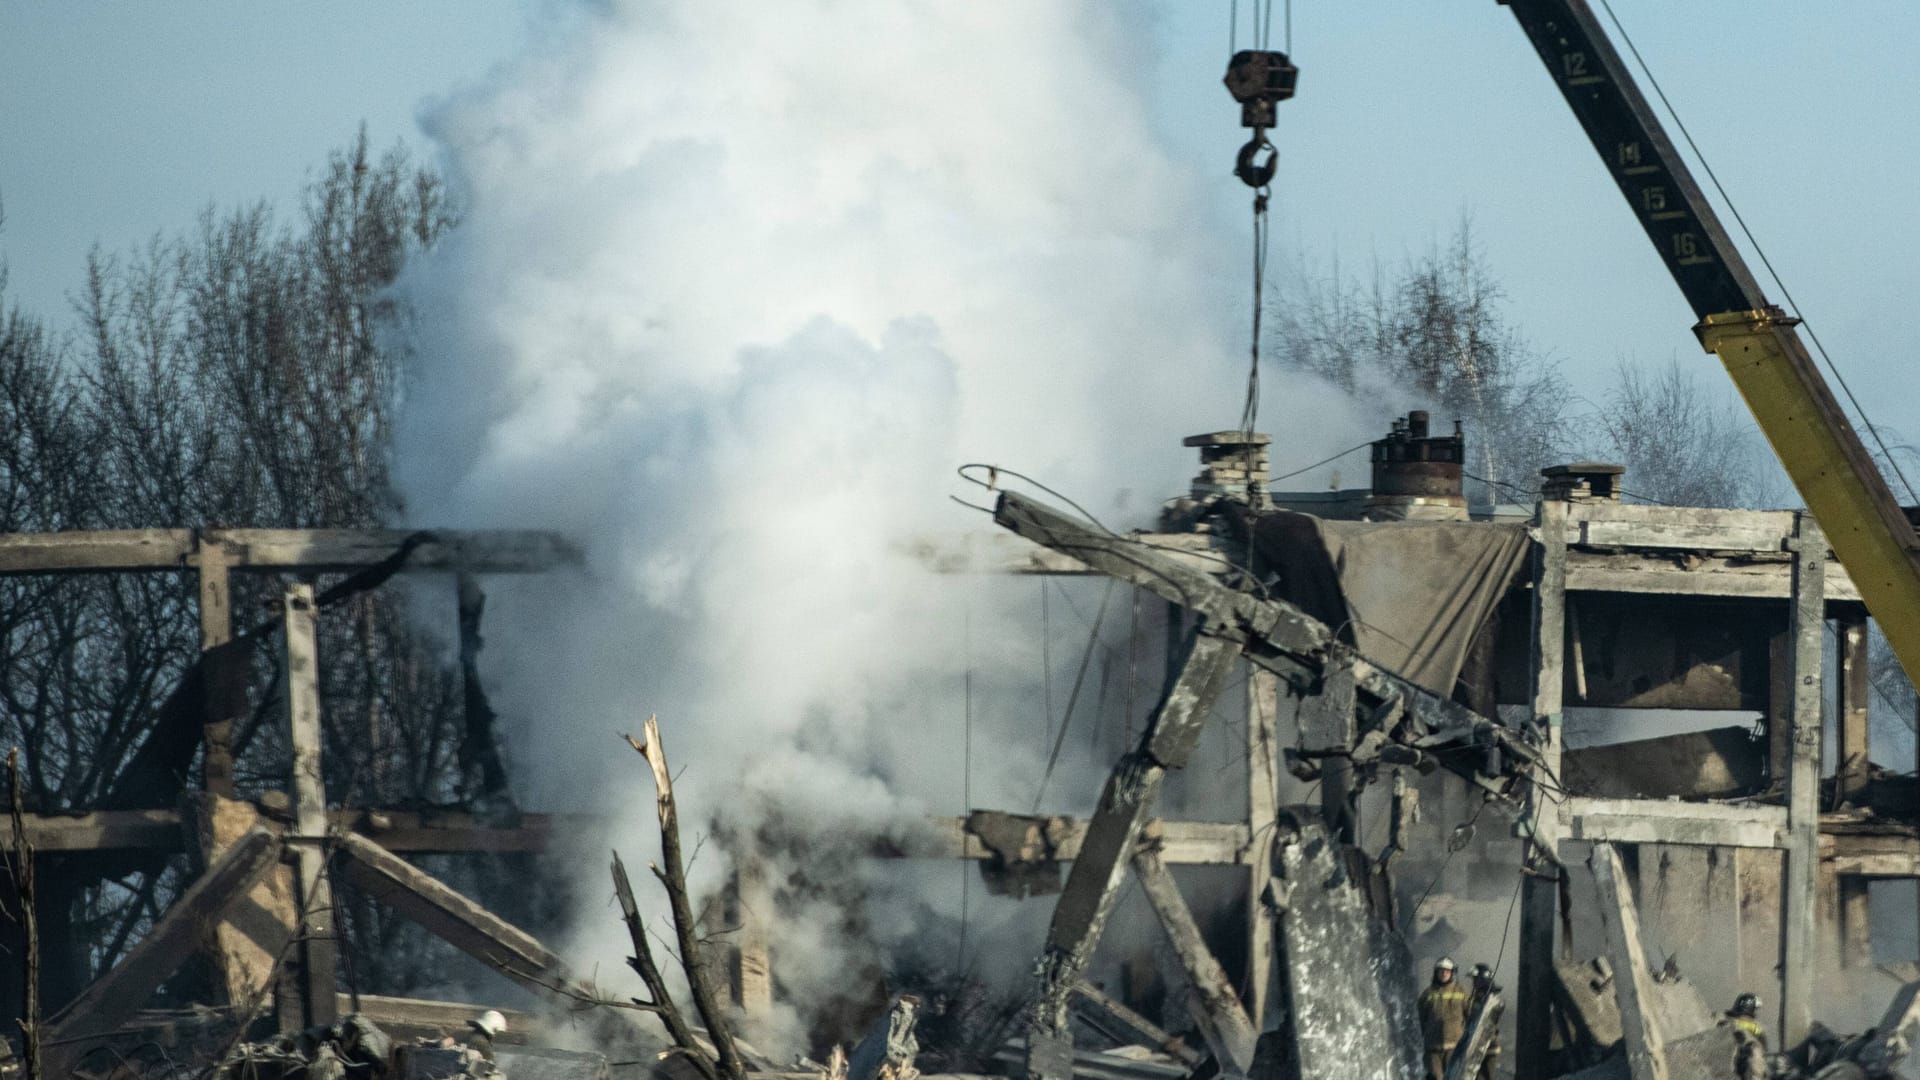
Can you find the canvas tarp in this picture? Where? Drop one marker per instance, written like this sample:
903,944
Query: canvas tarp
1410,595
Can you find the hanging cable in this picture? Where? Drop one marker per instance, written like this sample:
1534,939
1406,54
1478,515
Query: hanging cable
1079,679
1322,461
1785,293
1133,666
1259,80
1250,409
1046,658
966,764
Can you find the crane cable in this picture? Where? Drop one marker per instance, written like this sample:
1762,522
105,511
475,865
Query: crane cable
1786,294
1262,195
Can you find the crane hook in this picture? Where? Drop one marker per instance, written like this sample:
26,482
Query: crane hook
1254,170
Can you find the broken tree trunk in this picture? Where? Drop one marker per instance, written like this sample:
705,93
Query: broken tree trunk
22,868
673,877
1229,1031
117,995
661,1003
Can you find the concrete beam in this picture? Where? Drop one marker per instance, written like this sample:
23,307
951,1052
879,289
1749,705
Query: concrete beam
453,918
299,550
1216,1008
1000,553
1703,575
1651,821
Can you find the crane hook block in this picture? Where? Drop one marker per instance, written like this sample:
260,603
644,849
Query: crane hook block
1259,80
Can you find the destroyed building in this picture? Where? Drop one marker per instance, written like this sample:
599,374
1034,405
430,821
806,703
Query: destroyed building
1620,750
1561,733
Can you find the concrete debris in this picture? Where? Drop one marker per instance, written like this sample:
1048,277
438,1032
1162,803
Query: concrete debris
352,1048
889,1048
1021,858
356,1048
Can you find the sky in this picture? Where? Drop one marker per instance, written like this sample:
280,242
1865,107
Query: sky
118,120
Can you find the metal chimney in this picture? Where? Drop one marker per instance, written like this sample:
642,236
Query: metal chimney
1416,474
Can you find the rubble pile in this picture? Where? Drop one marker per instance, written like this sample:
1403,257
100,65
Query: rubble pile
356,1048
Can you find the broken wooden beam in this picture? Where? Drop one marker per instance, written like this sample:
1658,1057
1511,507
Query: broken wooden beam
114,997
1217,1010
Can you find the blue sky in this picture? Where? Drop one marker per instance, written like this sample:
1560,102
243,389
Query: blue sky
117,120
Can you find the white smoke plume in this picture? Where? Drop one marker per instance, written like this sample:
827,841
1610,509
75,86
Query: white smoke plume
736,288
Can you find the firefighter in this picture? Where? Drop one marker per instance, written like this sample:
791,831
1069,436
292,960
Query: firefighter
481,1032
1749,1038
1443,1017
1483,988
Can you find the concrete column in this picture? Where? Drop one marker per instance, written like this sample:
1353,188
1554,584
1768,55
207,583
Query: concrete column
318,951
1263,708
1800,927
1853,744
1538,894
218,669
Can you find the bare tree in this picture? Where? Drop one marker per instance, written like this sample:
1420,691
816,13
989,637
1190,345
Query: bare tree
1683,444
1435,328
231,376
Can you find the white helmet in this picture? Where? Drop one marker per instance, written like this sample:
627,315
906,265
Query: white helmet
491,1022
1446,964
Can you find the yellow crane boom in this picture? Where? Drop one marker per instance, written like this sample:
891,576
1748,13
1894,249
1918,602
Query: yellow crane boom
1755,340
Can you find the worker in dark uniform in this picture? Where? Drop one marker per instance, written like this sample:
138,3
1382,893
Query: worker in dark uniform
1443,1017
1749,1038
1483,988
